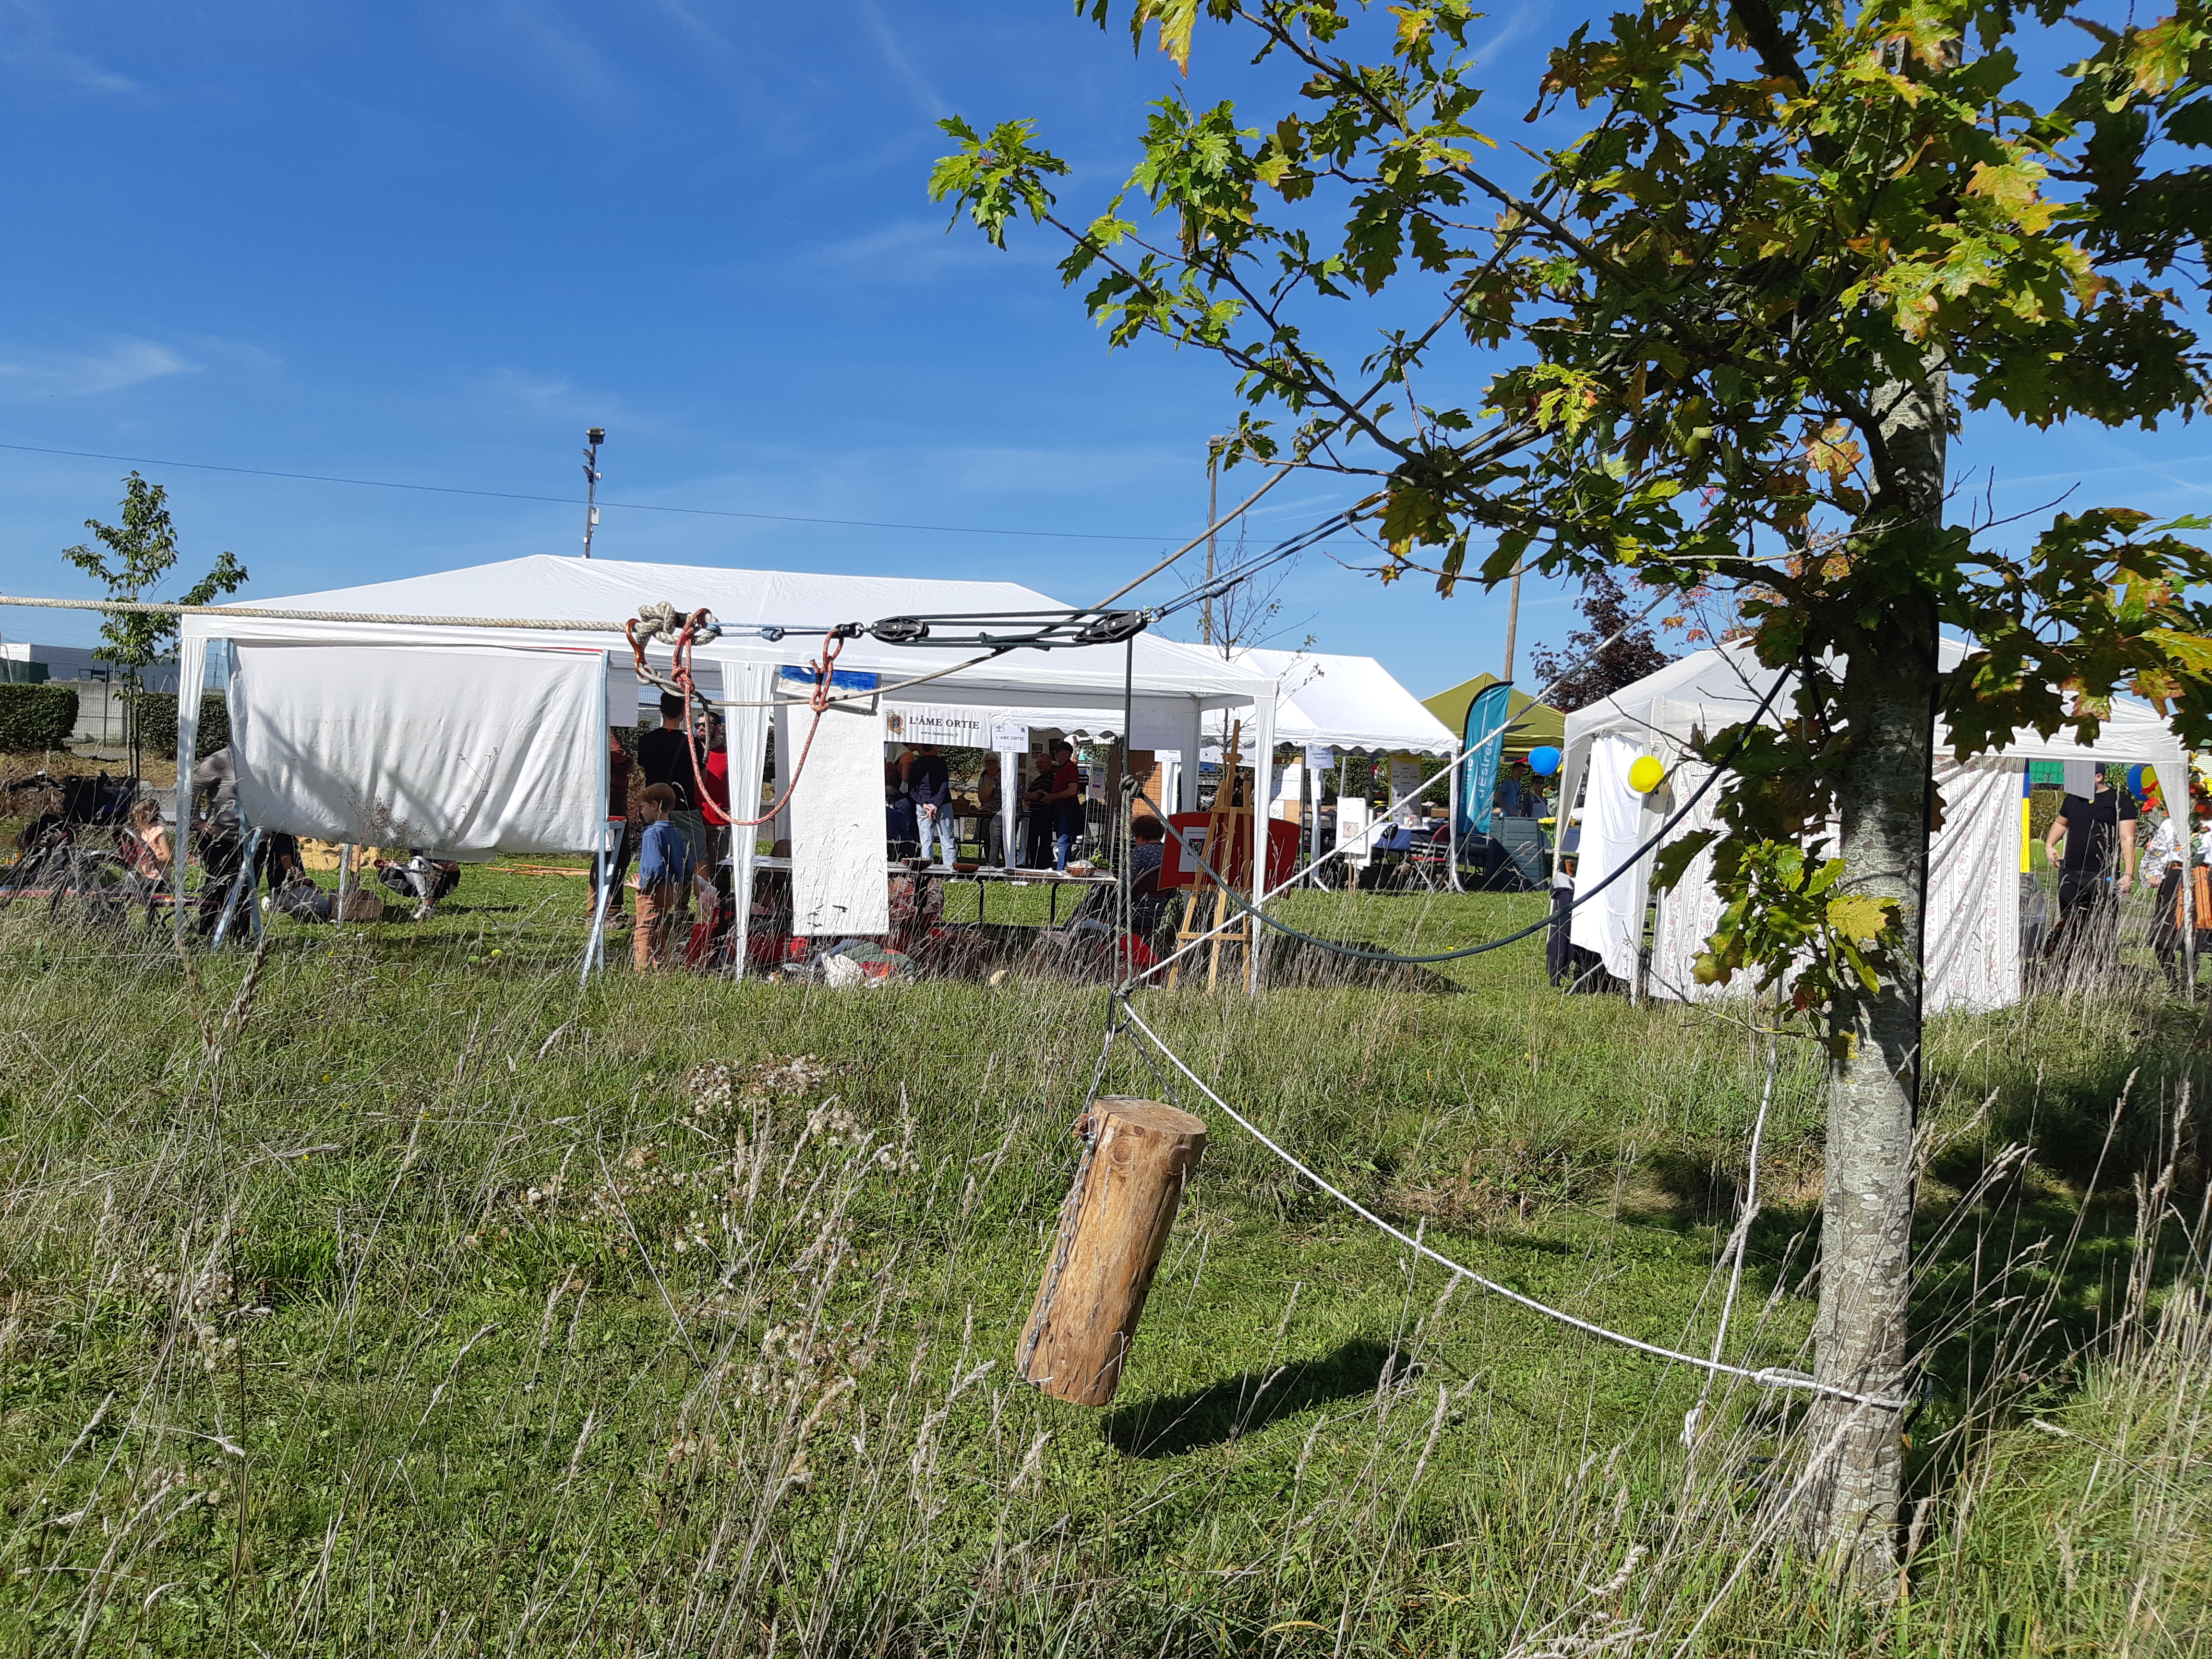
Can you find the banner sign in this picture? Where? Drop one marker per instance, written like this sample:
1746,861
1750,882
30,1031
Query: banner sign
959,728
1484,738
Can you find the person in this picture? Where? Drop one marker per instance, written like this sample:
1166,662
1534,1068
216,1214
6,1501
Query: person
2099,834
666,756
901,831
2162,863
145,844
221,832
929,786
1056,801
994,832
664,875
714,777
620,771
292,891
1148,848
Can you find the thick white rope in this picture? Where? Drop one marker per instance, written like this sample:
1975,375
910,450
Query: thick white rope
1769,1377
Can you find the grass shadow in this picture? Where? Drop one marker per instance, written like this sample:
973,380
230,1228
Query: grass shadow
1239,1405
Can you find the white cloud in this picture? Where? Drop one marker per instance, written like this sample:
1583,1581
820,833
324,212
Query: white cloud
83,374
36,51
925,96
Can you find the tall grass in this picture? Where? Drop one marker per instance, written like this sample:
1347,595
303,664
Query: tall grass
376,1294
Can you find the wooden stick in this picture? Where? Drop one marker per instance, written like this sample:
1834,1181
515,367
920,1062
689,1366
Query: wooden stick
1112,1232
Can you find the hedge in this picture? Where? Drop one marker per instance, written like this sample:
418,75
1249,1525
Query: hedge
33,718
157,723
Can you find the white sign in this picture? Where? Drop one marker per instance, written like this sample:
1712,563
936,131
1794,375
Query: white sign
1007,738
1167,756
961,729
1353,834
1320,758
1405,777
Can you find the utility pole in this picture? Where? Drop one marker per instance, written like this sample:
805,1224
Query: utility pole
592,440
1213,508
1512,621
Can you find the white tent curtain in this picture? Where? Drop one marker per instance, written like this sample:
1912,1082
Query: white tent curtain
1612,924
462,752
837,881
747,687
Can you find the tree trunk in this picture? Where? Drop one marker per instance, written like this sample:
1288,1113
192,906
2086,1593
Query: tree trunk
1853,1492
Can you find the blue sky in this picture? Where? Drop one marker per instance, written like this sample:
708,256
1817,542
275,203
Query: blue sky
433,243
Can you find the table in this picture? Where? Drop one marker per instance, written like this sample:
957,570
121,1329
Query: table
1053,880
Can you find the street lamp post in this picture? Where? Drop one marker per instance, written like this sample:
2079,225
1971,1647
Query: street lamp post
593,439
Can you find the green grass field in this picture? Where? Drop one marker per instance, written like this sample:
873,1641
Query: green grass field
386,1294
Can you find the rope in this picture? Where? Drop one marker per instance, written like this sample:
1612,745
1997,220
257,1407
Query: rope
662,618
1767,1377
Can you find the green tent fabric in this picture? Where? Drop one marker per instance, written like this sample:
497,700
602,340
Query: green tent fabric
1535,724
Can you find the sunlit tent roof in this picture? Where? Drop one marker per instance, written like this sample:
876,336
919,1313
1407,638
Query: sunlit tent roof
1535,724
1710,689
550,587
395,706
1345,702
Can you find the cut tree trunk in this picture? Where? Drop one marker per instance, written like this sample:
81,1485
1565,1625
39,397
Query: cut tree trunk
1112,1230
1854,1487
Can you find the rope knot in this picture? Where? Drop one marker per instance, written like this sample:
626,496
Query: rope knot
665,622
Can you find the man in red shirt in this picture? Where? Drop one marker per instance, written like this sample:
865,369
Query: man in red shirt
1056,802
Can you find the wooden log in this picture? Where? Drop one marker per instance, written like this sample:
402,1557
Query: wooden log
1112,1230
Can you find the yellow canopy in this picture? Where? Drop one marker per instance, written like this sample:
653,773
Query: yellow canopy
1535,724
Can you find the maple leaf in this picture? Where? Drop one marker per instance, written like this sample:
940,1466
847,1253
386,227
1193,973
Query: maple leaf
1859,917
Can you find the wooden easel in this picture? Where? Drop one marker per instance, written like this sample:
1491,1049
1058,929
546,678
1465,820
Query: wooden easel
1222,821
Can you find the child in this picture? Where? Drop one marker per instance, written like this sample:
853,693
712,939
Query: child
664,875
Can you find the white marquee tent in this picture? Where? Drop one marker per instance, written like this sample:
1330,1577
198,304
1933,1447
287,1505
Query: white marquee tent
1347,703
410,722
1974,882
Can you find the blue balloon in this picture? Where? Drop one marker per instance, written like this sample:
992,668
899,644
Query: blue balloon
1544,761
2135,780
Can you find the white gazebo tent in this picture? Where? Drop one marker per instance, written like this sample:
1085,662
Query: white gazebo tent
1972,924
1350,705
466,711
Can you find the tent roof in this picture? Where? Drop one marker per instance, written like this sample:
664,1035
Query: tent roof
1346,702
549,588
1716,688
1535,724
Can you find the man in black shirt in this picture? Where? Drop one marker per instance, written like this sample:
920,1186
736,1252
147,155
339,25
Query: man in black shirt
660,757
663,757
2099,834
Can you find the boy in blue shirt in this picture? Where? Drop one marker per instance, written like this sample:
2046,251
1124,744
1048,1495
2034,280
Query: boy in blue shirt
663,877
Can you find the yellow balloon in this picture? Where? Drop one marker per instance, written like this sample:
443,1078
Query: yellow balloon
1646,775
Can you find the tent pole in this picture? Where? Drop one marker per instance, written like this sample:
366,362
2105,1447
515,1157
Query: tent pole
2189,917
191,676
595,953
1452,818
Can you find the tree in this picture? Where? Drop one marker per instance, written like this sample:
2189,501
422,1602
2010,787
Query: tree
1723,335
143,549
1594,664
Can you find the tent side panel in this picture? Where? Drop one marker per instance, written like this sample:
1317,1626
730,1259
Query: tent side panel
1973,949
838,880
1612,924
465,752
1689,913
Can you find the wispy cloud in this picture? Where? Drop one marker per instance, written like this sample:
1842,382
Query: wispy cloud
926,97
85,374
36,51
